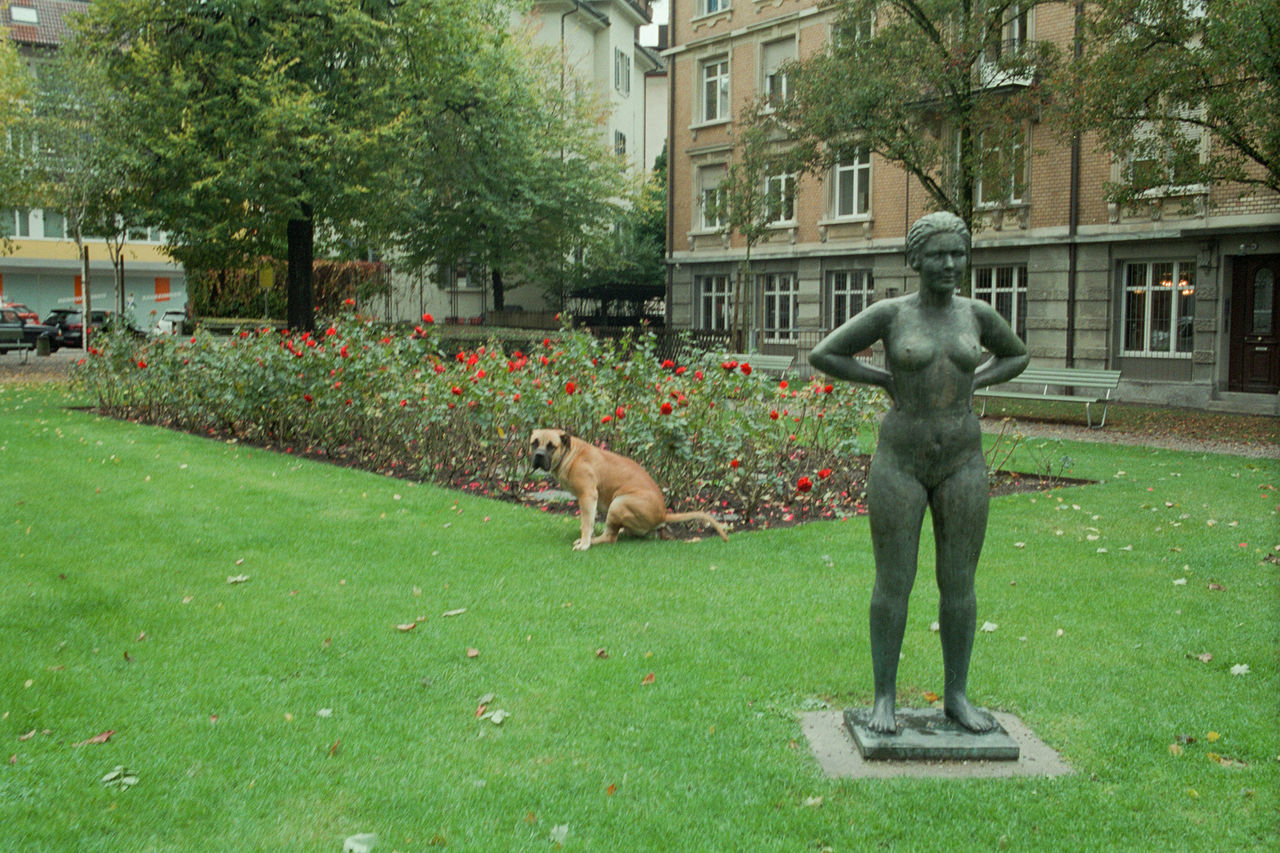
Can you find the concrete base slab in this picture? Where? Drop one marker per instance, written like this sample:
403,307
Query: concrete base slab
833,746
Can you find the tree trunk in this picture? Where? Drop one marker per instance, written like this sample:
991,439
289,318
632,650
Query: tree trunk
301,286
499,294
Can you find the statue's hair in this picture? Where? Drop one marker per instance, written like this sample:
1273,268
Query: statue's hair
940,222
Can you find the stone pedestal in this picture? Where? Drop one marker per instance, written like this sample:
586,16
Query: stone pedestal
928,734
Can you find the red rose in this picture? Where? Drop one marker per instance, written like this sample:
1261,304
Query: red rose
773,415
665,408
804,484
307,397
745,368
570,387
824,473
427,318
620,413
734,463
606,419
729,365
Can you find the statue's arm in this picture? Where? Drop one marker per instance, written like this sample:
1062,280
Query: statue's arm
1010,352
835,355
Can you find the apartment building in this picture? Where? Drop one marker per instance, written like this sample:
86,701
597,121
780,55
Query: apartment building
45,270
1178,295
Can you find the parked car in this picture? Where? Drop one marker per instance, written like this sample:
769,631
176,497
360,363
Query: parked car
17,334
170,323
27,315
70,324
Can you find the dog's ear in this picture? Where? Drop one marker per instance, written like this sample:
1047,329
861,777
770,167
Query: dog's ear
564,437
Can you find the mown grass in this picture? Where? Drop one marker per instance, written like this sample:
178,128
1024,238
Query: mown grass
286,711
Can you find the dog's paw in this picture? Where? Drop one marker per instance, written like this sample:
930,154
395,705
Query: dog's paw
582,545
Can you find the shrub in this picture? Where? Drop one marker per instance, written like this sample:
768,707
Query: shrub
711,431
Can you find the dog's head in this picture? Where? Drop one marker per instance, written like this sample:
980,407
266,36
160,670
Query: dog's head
547,447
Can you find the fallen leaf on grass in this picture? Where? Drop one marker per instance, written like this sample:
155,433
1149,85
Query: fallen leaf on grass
28,736
649,679
457,612
99,738
1203,658
120,778
1212,737
1175,750
813,802
1216,587
473,653
559,833
989,627
602,654
406,626
233,579
611,790
930,696
1240,669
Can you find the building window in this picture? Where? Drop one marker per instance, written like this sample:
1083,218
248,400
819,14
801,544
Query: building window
619,143
848,292
55,225
1002,174
780,198
715,89
711,198
774,57
1014,34
781,304
16,223
715,300
853,186
1160,166
1159,309
708,7
1005,289
622,71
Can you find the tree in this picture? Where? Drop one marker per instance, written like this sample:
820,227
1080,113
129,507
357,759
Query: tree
1183,92
943,89
246,125
76,173
15,90
626,265
747,201
507,169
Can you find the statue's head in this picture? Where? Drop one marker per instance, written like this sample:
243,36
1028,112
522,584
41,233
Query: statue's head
941,222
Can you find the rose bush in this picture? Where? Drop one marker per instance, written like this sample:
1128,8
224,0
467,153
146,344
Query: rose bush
713,432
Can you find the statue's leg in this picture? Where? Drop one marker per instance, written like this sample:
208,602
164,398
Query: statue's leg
896,503
959,509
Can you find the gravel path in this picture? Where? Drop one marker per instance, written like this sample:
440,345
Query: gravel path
55,367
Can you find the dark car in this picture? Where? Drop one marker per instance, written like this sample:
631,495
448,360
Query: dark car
70,324
15,334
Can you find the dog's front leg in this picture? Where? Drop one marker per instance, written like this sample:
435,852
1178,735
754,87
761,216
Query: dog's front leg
587,509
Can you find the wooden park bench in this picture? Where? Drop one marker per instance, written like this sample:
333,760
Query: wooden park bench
1038,381
772,364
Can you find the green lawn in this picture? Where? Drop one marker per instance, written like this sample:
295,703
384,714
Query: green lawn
287,711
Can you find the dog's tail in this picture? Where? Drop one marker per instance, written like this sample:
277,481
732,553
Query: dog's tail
698,515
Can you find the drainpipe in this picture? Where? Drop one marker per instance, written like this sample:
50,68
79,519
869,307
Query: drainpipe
1073,221
671,161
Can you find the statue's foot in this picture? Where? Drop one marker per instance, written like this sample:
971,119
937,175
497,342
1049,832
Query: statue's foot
963,712
882,719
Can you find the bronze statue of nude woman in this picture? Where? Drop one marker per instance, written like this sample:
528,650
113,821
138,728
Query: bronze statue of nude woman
929,452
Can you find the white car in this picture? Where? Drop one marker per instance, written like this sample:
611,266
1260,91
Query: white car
170,323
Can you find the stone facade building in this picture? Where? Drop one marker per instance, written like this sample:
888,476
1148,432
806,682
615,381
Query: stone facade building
1177,295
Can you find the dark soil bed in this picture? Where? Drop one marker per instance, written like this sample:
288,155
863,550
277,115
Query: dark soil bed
821,504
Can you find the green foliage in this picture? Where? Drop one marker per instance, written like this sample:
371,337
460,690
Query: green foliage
707,430
15,91
626,265
506,168
1185,93
929,87
257,290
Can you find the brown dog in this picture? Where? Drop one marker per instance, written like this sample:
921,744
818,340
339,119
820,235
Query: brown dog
633,500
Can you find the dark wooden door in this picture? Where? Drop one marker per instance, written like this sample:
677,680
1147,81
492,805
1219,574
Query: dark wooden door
1255,325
